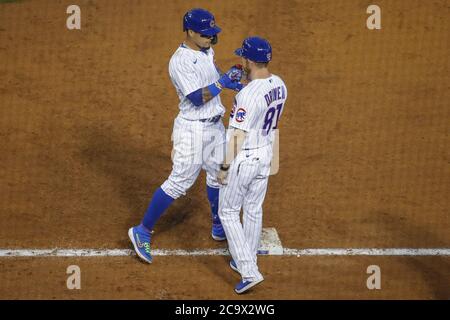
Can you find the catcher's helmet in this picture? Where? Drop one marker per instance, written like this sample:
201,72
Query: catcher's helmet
255,49
201,21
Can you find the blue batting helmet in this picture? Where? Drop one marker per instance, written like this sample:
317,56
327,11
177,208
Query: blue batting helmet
201,21
255,49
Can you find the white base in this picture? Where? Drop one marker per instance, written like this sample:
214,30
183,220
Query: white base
270,242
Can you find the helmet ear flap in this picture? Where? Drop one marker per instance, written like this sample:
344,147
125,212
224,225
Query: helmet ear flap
215,39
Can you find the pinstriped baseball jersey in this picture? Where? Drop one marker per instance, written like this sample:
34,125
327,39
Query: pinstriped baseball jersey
189,71
257,109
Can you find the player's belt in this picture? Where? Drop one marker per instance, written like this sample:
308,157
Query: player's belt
213,119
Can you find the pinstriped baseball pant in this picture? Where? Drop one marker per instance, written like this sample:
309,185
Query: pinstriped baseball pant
246,188
196,145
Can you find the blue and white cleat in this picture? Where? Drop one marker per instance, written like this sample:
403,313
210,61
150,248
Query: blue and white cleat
217,232
243,286
140,237
234,266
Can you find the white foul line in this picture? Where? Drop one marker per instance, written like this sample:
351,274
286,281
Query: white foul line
368,252
4,253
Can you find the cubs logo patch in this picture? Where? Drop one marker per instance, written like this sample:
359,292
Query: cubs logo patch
240,115
212,23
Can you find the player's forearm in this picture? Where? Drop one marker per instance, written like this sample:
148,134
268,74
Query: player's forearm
234,146
207,94
203,95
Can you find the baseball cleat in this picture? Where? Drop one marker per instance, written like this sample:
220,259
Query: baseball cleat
234,266
140,238
217,232
243,286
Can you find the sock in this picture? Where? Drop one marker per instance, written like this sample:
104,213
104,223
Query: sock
160,202
213,197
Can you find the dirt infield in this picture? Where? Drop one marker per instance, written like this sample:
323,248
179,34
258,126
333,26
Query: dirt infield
86,120
210,278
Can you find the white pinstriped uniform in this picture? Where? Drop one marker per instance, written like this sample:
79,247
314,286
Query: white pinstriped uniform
197,144
257,110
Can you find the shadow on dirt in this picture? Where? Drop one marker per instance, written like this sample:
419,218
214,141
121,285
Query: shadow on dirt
135,173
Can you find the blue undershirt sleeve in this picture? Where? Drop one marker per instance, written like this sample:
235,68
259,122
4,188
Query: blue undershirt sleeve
196,97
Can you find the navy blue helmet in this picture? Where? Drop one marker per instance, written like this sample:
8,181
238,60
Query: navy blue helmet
201,21
255,49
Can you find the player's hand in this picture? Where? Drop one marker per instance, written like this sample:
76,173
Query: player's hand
235,73
222,177
233,85
237,86
231,78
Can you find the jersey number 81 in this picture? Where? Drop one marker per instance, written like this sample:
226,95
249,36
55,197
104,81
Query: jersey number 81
268,119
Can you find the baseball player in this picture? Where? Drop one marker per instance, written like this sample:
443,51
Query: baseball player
198,133
253,121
